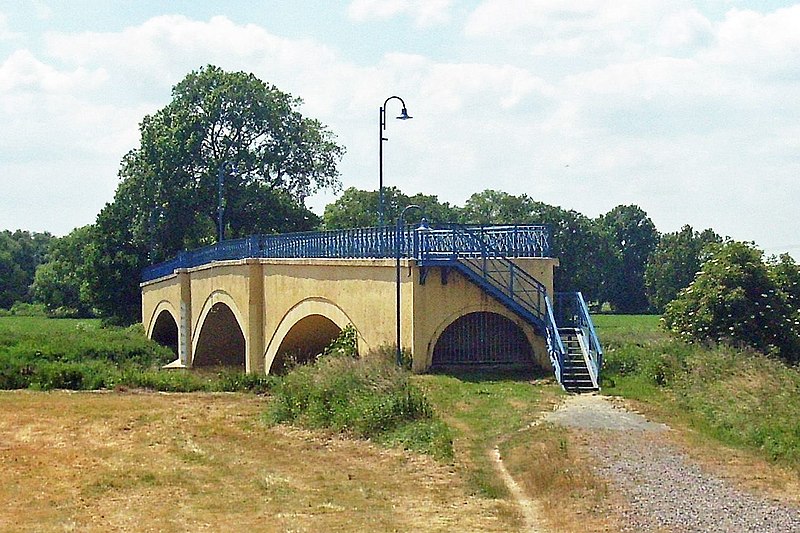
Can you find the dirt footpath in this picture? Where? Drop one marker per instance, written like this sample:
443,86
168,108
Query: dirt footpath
666,490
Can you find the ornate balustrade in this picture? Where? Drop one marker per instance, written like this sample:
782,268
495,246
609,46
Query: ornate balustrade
440,241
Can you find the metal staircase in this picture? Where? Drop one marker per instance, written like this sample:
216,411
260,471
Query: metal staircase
573,347
576,375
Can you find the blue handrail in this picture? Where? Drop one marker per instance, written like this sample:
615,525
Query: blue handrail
555,346
571,311
365,243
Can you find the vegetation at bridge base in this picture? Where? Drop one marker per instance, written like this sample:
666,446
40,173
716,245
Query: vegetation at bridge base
735,395
366,397
41,353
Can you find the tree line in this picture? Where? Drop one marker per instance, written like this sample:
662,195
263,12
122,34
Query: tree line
230,136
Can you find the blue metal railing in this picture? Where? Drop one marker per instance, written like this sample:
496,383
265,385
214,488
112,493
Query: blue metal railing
555,346
368,243
474,252
571,311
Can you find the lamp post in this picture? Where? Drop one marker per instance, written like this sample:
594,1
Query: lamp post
381,128
221,198
397,243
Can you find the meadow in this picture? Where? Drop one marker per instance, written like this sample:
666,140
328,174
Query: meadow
348,443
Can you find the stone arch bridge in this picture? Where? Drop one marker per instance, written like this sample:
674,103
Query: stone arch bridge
470,295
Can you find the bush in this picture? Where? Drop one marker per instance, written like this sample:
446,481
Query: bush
735,299
46,354
368,398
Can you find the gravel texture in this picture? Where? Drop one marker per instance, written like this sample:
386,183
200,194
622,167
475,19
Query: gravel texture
665,489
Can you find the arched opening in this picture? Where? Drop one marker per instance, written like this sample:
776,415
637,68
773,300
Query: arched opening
165,331
221,341
305,340
482,338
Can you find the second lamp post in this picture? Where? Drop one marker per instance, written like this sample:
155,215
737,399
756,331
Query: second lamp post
398,244
381,128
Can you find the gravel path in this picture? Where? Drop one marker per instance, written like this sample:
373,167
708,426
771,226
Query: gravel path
665,489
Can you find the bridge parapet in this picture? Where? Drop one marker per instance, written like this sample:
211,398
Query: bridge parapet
514,241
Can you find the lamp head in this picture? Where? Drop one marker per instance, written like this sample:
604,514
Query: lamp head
404,114
423,225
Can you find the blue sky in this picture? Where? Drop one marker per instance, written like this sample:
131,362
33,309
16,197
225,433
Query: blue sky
689,109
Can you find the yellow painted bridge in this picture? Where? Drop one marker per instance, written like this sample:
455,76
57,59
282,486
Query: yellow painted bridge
469,295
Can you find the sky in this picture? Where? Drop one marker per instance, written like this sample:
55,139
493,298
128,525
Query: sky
688,109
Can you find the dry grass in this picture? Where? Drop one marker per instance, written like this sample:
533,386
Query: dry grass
552,466
188,462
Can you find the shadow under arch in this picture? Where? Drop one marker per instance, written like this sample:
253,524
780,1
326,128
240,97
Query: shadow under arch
482,340
164,330
220,340
304,332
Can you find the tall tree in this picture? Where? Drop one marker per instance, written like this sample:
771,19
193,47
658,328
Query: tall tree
674,263
498,207
60,282
219,124
633,236
20,253
359,209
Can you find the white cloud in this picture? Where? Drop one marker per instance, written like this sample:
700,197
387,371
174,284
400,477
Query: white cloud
6,34
424,12
42,10
622,29
585,105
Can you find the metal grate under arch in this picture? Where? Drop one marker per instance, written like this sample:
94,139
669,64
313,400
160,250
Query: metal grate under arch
482,338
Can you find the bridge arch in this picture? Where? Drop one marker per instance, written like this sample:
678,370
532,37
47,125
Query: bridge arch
163,326
477,336
304,331
219,339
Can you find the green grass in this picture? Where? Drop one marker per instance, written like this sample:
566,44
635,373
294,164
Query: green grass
43,353
483,409
367,397
735,396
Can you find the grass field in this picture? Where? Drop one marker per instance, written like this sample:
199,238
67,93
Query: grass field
189,462
127,459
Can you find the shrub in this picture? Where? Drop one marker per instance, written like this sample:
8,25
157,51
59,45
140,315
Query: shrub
735,299
367,398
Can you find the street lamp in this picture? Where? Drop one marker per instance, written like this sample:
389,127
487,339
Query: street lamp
221,198
400,223
381,128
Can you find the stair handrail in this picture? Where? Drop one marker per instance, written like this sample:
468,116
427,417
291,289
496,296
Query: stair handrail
595,349
555,346
573,312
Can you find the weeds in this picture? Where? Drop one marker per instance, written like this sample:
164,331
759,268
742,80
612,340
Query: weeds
734,395
365,397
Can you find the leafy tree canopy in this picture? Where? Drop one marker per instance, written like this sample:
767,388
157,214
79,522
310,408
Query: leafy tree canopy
359,209
735,298
674,263
633,237
60,282
20,253
227,126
